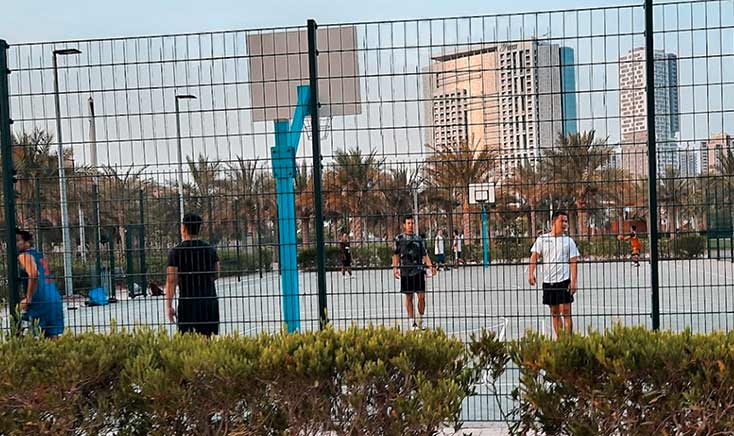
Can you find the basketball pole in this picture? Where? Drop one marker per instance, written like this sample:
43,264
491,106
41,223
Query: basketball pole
283,155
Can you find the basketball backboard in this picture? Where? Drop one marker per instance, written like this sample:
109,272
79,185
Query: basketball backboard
481,193
278,63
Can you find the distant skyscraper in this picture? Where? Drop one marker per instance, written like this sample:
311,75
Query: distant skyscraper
633,110
689,159
514,98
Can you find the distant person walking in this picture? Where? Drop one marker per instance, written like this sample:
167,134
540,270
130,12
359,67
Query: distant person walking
42,300
438,249
457,246
193,265
345,255
560,258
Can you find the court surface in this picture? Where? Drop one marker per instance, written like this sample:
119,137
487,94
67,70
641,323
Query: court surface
698,294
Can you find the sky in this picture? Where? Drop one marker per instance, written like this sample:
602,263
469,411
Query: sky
140,123
23,21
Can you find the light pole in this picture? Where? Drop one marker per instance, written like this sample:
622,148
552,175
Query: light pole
180,159
69,282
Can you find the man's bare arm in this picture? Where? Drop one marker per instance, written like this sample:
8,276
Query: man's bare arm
531,268
574,274
171,283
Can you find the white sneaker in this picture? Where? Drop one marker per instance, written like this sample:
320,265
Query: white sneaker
415,327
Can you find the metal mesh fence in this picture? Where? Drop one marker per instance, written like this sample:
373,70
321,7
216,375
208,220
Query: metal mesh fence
542,111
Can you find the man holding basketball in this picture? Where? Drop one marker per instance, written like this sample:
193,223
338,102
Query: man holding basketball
635,245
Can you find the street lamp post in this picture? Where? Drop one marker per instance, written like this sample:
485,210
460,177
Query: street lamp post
69,282
180,158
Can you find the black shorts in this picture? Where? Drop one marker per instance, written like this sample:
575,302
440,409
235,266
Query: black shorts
347,261
557,293
413,284
198,315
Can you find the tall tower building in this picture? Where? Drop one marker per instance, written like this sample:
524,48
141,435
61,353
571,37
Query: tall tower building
513,98
633,111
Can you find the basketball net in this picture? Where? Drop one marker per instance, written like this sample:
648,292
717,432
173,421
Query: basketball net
324,127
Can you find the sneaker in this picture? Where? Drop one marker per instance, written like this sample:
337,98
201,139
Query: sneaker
415,327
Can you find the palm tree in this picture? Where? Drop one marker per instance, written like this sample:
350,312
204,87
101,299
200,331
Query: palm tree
442,202
529,185
582,175
205,175
357,175
335,202
672,188
243,183
37,173
454,166
397,198
726,163
304,200
118,191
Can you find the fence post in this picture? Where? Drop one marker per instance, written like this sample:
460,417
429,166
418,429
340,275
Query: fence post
313,74
652,161
8,182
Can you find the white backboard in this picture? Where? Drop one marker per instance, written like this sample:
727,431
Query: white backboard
481,193
278,63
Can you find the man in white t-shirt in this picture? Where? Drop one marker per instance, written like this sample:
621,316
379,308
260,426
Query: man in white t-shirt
438,250
560,257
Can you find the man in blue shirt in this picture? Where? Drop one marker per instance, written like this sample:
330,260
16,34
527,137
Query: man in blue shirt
42,300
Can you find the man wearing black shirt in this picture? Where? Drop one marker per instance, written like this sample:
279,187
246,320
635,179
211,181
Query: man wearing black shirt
409,261
193,265
345,255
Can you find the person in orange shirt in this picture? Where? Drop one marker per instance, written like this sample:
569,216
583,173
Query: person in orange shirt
635,245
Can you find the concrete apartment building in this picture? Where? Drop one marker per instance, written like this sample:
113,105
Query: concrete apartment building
515,98
712,151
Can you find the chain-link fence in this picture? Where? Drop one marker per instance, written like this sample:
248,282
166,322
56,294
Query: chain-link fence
479,128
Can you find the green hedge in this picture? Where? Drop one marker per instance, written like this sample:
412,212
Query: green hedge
367,256
307,258
373,255
374,381
629,380
685,246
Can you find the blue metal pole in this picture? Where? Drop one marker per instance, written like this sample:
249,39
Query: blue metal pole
284,170
287,137
485,242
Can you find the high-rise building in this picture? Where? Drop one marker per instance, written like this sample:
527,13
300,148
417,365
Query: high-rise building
633,110
713,150
514,98
689,159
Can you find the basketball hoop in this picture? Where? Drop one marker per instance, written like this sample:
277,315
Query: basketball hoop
481,193
324,126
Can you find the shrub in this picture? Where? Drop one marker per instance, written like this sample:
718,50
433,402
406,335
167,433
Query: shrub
510,249
373,256
628,380
374,381
307,257
689,246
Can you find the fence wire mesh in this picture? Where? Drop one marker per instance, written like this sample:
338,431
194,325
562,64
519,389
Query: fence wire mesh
548,108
